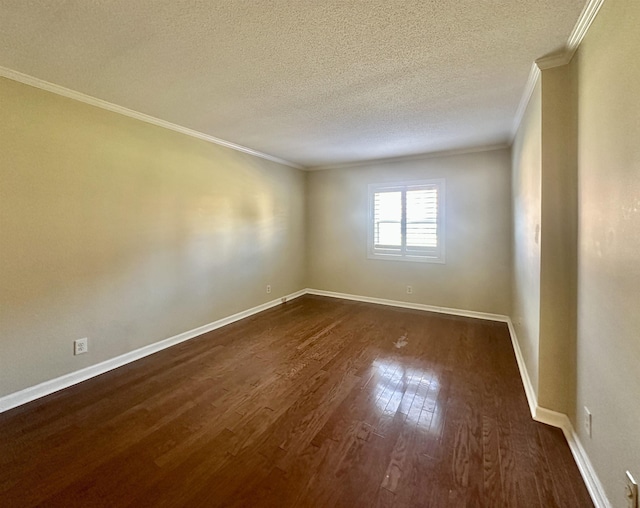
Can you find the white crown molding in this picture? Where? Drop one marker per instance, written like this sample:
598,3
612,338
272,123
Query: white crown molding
562,57
555,60
35,392
93,101
587,16
578,33
404,158
529,87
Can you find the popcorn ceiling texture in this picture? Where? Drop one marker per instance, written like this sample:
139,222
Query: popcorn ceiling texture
314,82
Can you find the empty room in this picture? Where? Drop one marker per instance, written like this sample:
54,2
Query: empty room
320,254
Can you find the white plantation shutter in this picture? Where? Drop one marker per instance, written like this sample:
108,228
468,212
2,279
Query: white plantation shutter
406,221
422,219
387,212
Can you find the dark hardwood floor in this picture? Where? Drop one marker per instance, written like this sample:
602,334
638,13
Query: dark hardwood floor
318,402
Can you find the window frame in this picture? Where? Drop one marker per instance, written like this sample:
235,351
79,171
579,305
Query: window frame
438,253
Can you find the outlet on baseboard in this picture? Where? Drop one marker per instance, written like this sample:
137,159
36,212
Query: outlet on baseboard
80,346
409,290
587,421
268,288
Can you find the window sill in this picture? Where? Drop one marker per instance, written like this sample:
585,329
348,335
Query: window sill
411,259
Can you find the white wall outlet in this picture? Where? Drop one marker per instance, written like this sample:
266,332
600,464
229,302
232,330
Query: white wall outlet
631,491
409,290
587,421
80,346
268,288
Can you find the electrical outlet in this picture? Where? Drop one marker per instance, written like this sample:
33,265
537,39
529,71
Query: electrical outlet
587,421
268,288
631,491
409,290
80,346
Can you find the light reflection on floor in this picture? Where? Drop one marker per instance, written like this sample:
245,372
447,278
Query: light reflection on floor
409,390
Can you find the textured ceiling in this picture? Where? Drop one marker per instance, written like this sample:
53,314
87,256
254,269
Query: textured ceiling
313,82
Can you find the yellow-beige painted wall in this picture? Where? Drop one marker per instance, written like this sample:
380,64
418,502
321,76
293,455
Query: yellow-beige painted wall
477,272
526,163
608,313
128,233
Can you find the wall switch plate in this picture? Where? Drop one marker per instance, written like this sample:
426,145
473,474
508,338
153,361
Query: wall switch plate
268,288
80,346
631,491
409,290
587,421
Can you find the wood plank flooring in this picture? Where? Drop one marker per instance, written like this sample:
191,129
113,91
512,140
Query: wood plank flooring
318,402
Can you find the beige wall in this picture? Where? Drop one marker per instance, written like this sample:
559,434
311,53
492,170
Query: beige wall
526,155
609,242
127,233
558,246
544,193
476,275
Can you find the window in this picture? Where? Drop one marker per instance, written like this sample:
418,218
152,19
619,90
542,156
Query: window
406,221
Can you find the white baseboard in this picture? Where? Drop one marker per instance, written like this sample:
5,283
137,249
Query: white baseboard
553,418
410,305
591,480
538,413
561,421
529,391
40,390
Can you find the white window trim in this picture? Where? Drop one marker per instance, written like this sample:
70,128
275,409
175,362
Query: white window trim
391,186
